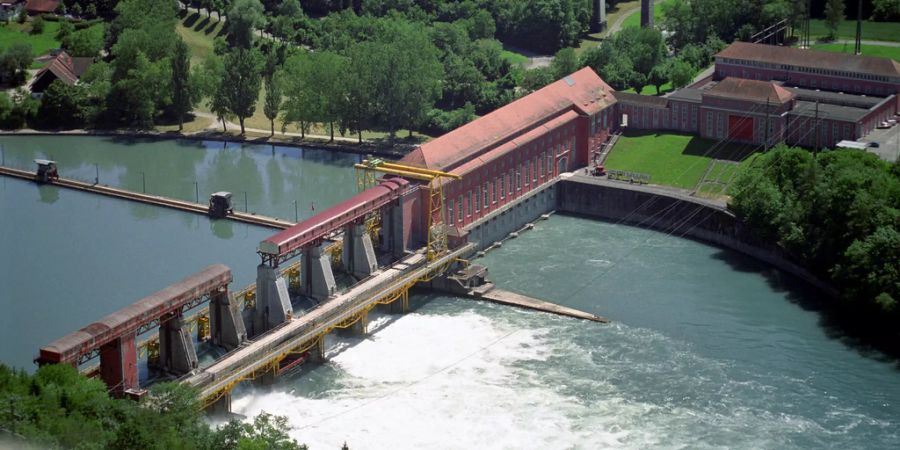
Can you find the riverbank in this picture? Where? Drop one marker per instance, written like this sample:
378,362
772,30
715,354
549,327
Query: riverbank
392,151
710,221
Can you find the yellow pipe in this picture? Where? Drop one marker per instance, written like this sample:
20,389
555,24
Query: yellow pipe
435,173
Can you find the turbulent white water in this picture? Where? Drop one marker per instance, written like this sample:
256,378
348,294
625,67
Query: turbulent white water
462,374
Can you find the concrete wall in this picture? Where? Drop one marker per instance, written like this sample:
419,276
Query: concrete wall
513,216
680,215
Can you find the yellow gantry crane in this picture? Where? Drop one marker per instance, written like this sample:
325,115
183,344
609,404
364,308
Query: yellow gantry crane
366,174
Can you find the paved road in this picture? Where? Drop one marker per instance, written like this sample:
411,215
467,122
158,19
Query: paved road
888,143
864,42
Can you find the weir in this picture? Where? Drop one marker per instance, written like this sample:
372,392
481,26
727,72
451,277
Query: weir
180,205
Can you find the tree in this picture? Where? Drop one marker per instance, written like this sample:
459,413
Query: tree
272,106
564,63
86,42
14,61
240,82
37,25
681,73
886,10
182,95
659,75
65,28
834,14
62,106
244,18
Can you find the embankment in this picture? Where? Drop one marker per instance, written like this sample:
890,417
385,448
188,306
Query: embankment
671,212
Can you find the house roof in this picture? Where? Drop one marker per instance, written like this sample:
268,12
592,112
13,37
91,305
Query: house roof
41,6
753,90
582,91
812,58
65,68
828,111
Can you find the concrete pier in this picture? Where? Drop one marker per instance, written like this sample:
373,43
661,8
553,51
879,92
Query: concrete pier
317,278
176,350
358,254
226,325
273,303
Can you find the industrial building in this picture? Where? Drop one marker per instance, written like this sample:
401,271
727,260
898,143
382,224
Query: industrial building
762,93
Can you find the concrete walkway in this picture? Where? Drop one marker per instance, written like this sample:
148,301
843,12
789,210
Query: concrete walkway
864,42
216,124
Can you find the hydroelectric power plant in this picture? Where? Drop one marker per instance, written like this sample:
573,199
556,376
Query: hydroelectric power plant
705,346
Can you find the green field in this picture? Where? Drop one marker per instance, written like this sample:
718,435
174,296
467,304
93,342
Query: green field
198,33
14,33
516,59
634,20
651,90
875,31
870,50
678,160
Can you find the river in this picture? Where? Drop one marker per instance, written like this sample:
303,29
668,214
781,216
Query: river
68,258
706,348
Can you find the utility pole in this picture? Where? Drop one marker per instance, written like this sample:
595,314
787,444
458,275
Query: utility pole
816,127
766,141
296,212
197,192
858,48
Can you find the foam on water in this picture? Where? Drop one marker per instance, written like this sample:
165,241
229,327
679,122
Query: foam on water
480,376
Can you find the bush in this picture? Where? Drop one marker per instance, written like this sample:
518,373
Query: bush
37,25
886,10
440,122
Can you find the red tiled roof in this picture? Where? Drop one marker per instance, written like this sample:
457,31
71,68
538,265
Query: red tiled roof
41,6
582,91
812,58
65,68
753,90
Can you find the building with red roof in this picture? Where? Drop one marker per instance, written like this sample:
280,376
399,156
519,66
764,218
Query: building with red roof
35,7
64,68
782,94
519,147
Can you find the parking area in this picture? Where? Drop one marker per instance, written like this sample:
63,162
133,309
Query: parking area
888,140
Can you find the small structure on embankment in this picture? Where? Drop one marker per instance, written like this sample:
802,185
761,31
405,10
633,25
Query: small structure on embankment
471,281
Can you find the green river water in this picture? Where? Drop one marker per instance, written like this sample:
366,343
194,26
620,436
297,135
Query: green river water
706,349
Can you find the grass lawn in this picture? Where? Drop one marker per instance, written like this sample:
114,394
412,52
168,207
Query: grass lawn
14,33
198,33
516,59
876,31
678,160
870,50
593,39
651,90
635,19
193,124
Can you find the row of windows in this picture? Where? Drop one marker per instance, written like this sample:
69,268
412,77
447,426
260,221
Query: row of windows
835,73
510,183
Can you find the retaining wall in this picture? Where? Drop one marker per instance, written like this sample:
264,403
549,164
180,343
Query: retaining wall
671,212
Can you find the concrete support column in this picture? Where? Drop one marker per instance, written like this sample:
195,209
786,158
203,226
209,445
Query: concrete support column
392,231
646,13
358,255
317,353
273,303
222,406
317,278
176,350
226,324
598,15
118,365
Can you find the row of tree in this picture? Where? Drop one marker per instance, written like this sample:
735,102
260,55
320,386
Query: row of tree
837,212
59,408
